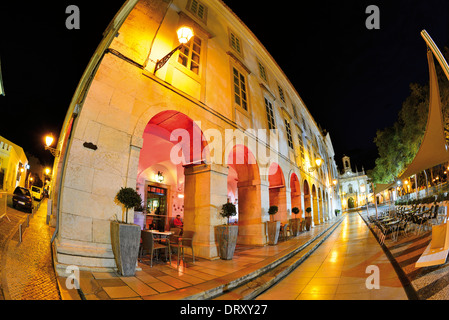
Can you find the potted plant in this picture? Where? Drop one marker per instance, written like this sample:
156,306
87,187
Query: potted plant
273,226
227,234
308,218
295,223
125,237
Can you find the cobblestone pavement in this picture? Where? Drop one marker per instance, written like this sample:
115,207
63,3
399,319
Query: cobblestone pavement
27,271
7,229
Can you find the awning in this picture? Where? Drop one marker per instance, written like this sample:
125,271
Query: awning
433,150
382,187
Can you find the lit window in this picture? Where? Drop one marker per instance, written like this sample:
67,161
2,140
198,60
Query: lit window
235,43
190,54
240,91
263,72
289,133
199,9
270,114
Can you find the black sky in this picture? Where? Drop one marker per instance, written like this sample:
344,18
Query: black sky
353,80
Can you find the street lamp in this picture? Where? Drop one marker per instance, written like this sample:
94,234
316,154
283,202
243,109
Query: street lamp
49,141
318,163
184,36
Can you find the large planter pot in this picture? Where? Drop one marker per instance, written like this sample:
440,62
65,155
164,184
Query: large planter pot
308,223
125,240
294,226
273,228
227,240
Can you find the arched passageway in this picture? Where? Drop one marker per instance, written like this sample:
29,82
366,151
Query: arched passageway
321,205
244,190
277,192
171,141
315,212
295,194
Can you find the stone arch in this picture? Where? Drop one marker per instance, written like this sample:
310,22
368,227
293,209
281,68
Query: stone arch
171,141
315,209
295,193
321,204
244,183
307,195
277,191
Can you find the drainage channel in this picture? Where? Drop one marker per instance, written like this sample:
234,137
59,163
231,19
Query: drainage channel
253,286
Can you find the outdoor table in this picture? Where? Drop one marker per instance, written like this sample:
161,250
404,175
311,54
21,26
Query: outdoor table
161,234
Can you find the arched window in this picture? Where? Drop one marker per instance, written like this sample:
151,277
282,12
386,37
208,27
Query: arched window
350,189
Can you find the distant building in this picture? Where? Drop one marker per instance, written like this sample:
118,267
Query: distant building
354,188
13,166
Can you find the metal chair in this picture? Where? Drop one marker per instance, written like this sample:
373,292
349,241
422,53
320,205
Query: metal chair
186,241
150,245
284,232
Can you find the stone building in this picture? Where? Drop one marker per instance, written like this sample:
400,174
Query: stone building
218,122
13,166
354,188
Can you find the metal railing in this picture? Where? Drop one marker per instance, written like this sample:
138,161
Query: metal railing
3,205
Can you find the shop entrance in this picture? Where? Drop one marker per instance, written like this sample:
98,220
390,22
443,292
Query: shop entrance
156,206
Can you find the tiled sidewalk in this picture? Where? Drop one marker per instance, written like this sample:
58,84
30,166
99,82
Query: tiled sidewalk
190,281
27,268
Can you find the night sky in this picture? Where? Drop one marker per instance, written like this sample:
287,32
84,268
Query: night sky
352,80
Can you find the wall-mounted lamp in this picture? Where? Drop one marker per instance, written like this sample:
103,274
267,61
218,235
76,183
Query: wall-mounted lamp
49,141
184,36
318,163
159,177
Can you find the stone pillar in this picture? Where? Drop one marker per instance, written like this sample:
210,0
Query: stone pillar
251,212
278,197
205,193
315,211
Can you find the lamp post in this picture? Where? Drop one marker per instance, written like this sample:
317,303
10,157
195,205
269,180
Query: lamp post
184,36
48,142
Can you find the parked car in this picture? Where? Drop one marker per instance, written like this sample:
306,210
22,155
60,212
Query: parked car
37,193
22,198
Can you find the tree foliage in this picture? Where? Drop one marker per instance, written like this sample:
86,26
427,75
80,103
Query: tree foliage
398,145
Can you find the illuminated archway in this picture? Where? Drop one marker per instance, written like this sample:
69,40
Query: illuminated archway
321,205
171,142
277,191
295,193
244,190
307,200
315,211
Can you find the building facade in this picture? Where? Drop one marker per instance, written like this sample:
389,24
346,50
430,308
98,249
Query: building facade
218,122
13,166
354,188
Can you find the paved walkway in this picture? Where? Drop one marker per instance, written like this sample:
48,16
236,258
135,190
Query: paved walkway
202,280
337,270
26,267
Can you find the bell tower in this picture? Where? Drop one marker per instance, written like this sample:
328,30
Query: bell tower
346,164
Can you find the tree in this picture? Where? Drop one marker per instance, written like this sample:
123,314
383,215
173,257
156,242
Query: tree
398,145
